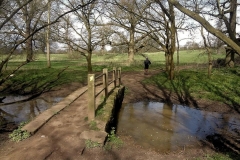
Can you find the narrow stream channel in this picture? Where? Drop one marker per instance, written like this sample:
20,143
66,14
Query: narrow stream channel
25,111
165,128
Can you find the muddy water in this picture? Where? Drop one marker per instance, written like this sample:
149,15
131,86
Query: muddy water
24,111
164,127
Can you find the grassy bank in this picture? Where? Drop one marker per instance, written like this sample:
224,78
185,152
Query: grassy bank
223,86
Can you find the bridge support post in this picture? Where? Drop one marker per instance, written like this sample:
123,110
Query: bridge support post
114,77
119,76
91,97
105,81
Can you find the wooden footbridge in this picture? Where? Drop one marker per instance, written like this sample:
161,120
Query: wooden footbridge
97,90
61,131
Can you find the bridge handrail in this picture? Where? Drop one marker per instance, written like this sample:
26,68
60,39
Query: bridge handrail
116,76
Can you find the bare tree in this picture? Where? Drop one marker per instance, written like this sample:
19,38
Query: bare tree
224,10
104,32
11,33
160,21
8,40
207,46
26,22
124,16
5,19
80,31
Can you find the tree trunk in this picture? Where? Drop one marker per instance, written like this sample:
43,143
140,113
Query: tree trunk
209,69
173,41
209,53
229,60
171,67
169,64
89,63
47,36
178,47
167,61
230,53
209,63
131,48
29,49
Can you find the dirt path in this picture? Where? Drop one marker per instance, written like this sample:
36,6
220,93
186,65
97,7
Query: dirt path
59,138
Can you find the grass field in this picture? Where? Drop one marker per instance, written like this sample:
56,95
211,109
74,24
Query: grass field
186,57
77,62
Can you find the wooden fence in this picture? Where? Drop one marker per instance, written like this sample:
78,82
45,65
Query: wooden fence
116,77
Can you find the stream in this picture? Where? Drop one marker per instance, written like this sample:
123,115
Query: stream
25,111
163,127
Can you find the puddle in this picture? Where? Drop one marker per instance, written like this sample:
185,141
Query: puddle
165,128
24,111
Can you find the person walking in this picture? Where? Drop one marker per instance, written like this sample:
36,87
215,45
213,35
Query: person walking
147,62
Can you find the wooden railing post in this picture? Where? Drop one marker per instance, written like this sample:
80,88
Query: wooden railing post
114,76
119,76
105,81
91,97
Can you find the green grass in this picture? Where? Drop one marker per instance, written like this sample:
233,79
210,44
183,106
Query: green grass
195,56
223,86
36,74
92,144
28,80
18,135
218,156
93,126
109,60
113,141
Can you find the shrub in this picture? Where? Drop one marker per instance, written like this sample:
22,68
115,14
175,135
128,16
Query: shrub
19,135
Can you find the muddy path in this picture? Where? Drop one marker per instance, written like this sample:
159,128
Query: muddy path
59,138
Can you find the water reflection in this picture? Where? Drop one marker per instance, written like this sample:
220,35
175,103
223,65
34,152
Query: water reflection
165,127
24,111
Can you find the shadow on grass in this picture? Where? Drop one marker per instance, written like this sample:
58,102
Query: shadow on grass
224,144
181,92
217,91
235,72
185,89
